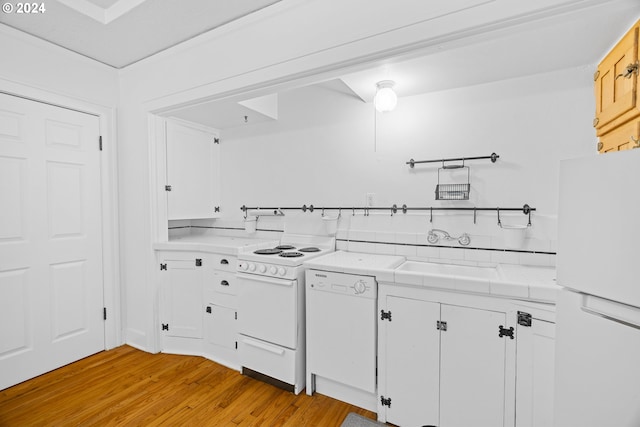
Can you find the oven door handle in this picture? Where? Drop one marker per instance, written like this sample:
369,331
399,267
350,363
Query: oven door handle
261,346
264,279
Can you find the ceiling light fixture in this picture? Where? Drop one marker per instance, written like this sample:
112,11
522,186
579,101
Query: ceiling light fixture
385,99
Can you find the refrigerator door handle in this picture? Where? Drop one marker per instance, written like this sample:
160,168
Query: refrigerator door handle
614,311
609,317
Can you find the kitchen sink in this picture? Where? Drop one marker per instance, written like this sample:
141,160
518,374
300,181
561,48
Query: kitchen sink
437,269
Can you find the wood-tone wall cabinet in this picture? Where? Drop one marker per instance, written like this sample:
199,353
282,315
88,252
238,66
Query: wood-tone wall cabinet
617,120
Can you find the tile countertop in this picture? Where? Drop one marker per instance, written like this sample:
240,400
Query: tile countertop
224,245
502,280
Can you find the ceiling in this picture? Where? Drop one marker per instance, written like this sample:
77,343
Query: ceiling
567,40
573,39
121,32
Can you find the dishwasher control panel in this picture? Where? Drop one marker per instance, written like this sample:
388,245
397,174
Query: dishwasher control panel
342,283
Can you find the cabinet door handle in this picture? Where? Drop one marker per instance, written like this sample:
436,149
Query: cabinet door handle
629,70
224,261
224,283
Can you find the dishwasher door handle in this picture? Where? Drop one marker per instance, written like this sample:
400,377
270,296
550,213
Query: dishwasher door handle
272,349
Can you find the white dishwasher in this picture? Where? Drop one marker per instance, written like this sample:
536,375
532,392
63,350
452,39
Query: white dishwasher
342,336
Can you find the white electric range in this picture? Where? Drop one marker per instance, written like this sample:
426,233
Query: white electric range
271,309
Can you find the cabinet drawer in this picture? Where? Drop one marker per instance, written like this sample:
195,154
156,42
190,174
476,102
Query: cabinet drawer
223,262
621,138
261,356
222,282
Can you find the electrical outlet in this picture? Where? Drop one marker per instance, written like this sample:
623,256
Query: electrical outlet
370,199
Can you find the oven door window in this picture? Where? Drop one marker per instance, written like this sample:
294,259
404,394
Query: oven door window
267,309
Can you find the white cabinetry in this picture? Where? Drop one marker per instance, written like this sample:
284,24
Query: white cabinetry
535,369
451,359
410,361
181,306
193,172
221,314
441,364
472,367
198,305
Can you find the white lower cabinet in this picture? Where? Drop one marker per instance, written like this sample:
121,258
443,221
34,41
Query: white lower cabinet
444,365
198,307
220,326
472,367
535,371
450,359
181,295
411,367
221,313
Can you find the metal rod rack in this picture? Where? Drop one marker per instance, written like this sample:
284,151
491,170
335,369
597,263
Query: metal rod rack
493,158
525,209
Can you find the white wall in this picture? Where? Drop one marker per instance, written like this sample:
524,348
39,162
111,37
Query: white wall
327,149
34,63
293,40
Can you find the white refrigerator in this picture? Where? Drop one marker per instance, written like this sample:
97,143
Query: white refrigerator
597,369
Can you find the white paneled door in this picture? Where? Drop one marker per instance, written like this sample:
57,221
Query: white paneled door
51,289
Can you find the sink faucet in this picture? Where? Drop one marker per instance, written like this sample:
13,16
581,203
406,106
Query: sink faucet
433,237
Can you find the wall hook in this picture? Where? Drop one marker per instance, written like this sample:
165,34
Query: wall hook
474,215
499,222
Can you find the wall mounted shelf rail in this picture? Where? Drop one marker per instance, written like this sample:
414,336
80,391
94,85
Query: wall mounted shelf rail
493,157
525,209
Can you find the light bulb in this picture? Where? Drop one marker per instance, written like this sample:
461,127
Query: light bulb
385,99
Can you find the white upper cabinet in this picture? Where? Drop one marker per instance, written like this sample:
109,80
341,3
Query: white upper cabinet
193,172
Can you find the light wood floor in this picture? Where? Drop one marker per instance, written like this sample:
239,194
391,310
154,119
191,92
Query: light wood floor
128,387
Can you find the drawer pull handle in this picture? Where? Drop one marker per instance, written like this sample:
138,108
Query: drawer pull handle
224,283
224,262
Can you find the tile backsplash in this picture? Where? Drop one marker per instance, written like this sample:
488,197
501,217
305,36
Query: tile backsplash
406,235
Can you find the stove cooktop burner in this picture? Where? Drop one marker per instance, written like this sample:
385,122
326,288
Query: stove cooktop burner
310,249
272,251
291,254
285,247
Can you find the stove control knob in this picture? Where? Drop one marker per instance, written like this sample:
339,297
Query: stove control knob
359,287
243,266
273,269
252,267
282,271
262,268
